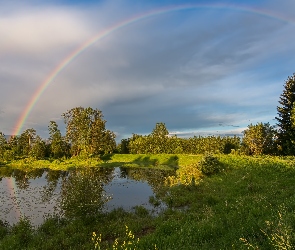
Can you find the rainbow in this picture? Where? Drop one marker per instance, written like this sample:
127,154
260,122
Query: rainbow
67,60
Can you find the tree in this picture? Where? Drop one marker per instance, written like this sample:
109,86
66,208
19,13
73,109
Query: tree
58,146
286,130
13,147
159,138
292,117
86,132
38,149
3,144
124,146
160,130
259,139
25,141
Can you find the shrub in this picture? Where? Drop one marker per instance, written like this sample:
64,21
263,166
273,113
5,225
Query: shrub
23,232
188,175
3,229
210,164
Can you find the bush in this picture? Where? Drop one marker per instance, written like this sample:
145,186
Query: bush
8,155
210,164
3,229
189,176
23,232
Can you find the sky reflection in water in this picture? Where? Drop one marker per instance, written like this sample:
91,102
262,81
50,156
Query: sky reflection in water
43,193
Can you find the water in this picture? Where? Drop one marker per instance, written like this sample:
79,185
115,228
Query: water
40,193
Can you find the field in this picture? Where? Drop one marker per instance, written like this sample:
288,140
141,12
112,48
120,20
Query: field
249,203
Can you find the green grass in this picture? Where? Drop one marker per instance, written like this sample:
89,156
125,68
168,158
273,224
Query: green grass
115,160
248,205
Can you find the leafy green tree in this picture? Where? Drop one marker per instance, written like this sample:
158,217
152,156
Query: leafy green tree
3,145
86,132
102,140
135,144
124,146
286,131
176,145
13,147
159,138
259,139
58,146
26,141
160,130
38,149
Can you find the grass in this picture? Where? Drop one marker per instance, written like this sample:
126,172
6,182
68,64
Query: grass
115,160
250,204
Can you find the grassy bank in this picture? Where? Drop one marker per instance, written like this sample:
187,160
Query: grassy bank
250,204
115,160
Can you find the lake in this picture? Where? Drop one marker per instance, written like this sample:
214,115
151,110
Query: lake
39,193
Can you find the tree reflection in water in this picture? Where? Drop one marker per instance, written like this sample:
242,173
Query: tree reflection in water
154,177
82,192
53,177
22,178
77,193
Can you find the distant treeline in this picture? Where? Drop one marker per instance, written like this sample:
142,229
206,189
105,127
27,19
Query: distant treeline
86,135
159,142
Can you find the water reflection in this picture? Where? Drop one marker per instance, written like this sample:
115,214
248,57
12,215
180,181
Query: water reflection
80,192
21,195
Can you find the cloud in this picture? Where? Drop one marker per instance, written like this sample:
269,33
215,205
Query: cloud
190,69
34,31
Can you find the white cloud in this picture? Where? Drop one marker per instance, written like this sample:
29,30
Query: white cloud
35,31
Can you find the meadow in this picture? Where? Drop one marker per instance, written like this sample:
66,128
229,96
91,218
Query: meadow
214,202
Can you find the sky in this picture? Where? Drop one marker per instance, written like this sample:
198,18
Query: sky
201,67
